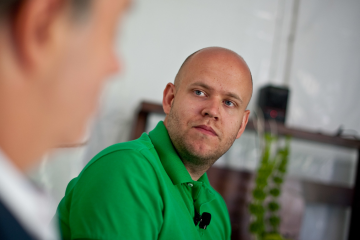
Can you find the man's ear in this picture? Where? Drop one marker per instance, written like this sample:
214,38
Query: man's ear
244,122
36,30
168,97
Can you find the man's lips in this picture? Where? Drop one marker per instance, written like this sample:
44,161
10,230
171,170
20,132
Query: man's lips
206,130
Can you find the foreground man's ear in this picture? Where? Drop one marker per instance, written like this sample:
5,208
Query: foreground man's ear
38,32
168,97
244,122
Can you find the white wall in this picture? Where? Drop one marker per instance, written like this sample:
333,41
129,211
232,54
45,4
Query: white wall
325,81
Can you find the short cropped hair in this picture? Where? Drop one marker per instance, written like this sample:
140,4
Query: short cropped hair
9,7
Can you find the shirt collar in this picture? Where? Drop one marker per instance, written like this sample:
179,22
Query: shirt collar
175,168
168,156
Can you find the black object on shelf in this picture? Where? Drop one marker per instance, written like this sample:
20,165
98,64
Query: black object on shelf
273,102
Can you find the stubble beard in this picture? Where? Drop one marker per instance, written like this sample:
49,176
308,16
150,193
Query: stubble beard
187,151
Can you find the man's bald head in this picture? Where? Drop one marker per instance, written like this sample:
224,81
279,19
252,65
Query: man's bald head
217,54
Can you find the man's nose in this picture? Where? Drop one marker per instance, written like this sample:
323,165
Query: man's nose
212,108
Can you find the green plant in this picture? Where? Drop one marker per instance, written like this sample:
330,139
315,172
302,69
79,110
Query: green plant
265,206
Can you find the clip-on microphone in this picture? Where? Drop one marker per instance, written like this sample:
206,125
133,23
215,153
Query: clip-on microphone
204,219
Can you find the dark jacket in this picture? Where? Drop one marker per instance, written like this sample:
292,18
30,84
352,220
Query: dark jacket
10,228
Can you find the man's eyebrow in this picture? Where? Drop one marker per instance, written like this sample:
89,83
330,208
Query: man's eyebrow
229,94
201,84
234,95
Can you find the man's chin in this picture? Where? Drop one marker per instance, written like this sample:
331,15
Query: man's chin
203,145
77,138
201,152
75,142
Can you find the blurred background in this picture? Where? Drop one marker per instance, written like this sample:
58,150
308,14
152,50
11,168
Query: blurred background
310,46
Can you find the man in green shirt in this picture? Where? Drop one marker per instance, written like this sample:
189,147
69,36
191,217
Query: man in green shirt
156,186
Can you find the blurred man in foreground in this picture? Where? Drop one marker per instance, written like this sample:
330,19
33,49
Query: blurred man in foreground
156,186
54,58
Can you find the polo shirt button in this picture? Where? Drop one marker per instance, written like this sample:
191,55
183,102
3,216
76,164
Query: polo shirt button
190,184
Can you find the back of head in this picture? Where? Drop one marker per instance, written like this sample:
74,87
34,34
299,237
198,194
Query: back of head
55,56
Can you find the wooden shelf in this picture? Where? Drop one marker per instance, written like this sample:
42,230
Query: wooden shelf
146,108
311,136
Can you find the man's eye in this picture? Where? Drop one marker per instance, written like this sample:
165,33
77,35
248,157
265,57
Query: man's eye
229,103
199,93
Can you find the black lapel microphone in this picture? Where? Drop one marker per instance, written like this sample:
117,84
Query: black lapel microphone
203,220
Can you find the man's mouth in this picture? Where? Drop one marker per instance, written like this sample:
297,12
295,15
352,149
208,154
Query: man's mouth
206,130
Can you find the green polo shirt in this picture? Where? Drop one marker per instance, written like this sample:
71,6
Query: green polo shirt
140,190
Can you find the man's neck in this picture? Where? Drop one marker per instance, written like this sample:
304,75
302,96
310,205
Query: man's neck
195,171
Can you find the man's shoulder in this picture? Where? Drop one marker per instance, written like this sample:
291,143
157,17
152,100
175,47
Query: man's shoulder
141,144
141,148
108,189
118,162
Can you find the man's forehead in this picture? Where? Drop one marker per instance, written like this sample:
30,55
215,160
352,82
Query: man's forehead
223,67
216,58
226,66
216,54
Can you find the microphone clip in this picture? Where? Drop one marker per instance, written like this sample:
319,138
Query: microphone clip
203,220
